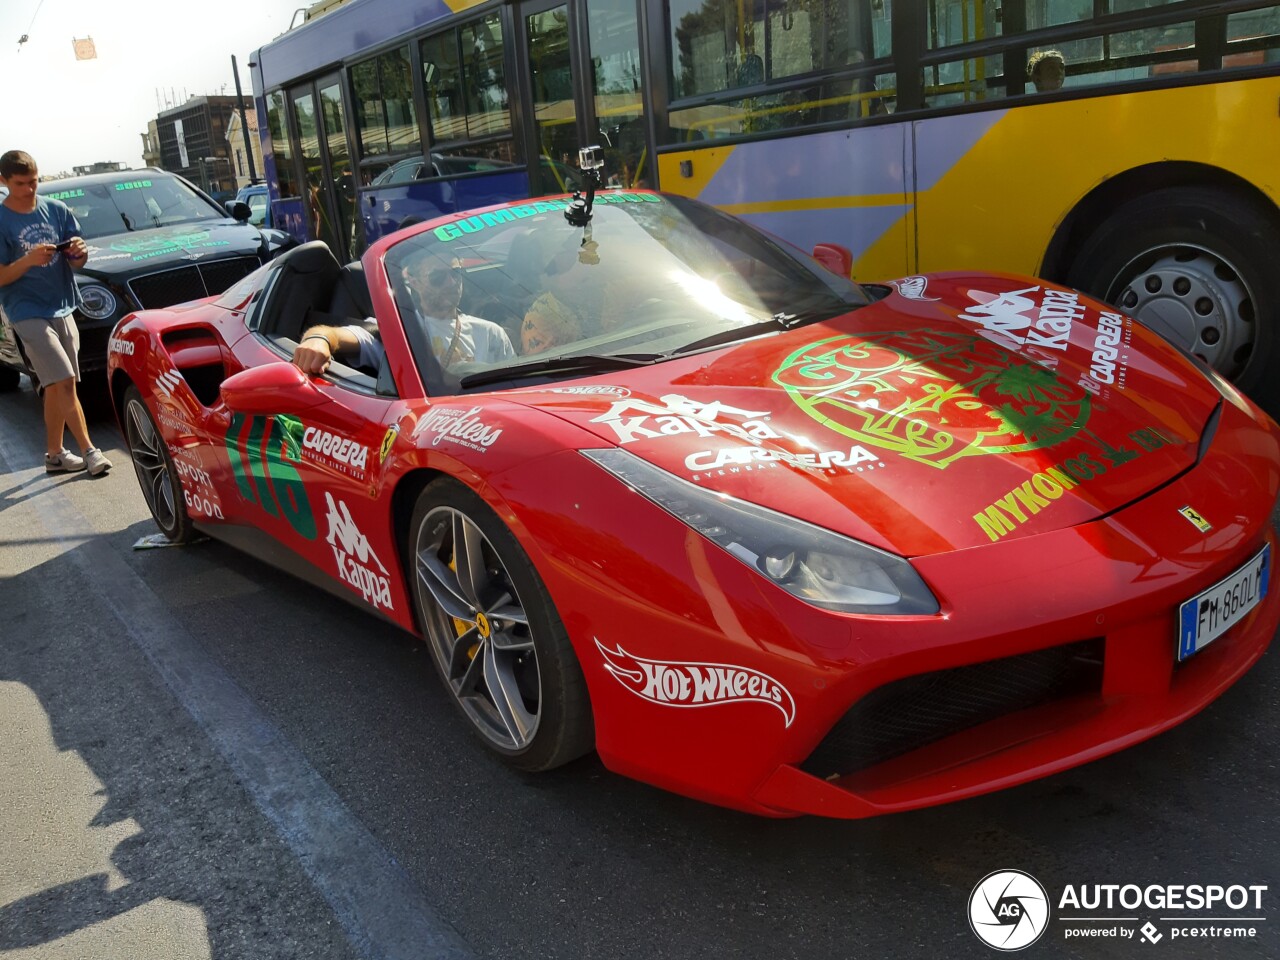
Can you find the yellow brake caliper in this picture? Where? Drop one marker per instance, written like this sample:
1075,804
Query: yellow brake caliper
462,626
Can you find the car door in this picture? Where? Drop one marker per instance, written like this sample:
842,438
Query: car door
309,460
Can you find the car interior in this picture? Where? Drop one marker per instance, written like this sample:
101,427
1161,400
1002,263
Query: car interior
309,287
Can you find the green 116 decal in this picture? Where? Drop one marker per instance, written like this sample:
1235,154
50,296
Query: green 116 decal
263,451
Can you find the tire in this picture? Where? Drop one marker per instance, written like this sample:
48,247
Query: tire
494,634
1194,264
9,379
156,475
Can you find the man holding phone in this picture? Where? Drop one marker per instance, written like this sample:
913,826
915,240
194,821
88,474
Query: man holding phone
39,247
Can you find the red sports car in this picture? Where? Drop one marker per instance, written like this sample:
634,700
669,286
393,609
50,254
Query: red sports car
650,483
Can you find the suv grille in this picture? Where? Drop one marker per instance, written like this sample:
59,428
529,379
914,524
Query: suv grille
190,282
915,711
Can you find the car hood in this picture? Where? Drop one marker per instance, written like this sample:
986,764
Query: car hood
138,251
957,411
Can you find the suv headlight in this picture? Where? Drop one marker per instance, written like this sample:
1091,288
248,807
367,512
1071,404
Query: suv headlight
818,566
97,302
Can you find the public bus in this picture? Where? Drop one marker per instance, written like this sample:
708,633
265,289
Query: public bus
1142,167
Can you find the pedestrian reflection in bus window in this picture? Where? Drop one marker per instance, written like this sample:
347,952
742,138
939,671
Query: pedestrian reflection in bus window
1047,69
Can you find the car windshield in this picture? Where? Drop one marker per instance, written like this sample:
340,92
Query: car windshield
518,294
138,202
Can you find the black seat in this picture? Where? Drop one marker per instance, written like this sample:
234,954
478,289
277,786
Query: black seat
304,283
351,298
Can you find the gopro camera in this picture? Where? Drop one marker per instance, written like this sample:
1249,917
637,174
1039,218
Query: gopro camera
591,158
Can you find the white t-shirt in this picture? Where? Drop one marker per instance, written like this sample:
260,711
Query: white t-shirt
478,341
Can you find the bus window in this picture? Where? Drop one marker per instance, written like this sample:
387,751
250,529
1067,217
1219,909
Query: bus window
386,121
280,145
762,46
467,100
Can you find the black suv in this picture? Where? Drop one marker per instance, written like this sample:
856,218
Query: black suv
154,240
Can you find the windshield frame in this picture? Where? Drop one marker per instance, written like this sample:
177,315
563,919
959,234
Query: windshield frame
638,243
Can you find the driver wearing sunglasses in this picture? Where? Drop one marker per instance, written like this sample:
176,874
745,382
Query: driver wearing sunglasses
435,293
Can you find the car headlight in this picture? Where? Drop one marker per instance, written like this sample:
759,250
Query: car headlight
818,566
97,302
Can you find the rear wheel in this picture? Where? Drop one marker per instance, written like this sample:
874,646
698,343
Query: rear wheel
1193,264
161,487
494,634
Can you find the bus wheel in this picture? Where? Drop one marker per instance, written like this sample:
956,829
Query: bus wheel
1192,264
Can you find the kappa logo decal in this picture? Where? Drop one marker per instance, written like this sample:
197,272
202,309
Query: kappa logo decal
640,420
352,554
674,683
1017,319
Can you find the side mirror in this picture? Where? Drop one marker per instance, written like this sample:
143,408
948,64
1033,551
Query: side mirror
239,210
274,388
837,259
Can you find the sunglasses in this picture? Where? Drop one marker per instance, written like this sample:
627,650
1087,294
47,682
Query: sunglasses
440,275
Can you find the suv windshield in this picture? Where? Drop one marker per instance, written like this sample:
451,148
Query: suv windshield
138,201
517,293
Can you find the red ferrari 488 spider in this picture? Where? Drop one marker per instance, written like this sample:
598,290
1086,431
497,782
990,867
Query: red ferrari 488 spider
650,483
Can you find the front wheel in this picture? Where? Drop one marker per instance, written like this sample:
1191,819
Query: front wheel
1194,264
494,634
157,477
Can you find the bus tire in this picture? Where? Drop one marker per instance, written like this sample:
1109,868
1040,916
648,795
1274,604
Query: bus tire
1194,264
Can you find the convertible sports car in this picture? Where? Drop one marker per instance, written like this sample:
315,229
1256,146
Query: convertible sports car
753,532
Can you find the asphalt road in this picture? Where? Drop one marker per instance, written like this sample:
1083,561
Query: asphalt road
203,757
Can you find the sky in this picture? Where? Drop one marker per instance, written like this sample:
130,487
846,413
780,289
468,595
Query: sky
67,112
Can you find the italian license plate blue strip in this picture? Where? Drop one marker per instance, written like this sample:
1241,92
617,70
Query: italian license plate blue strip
1205,617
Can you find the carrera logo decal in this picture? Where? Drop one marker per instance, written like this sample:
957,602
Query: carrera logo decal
933,396
708,460
1114,332
341,453
455,425
633,420
352,554
682,684
912,288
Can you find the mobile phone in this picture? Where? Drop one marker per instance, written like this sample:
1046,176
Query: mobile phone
63,246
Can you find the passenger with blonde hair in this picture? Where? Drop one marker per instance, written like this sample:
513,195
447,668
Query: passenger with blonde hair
548,323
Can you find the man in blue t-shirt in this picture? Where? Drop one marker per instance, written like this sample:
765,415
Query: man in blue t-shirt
39,247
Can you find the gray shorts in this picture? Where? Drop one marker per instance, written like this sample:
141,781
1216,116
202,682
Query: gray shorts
52,347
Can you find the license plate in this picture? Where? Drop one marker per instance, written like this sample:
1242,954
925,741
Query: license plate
1206,617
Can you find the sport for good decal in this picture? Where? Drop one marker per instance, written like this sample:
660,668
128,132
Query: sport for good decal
674,683
932,396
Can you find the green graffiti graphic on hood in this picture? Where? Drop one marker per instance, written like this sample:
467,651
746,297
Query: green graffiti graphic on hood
933,396
144,247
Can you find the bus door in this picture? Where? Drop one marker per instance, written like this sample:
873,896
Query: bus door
585,87
329,193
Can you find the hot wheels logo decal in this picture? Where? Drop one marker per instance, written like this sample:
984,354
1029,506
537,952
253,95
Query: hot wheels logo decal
686,684
933,396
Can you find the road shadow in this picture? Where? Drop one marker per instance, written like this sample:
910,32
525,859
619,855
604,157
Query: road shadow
123,832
